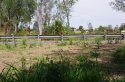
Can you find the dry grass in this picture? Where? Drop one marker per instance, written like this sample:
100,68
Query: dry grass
33,54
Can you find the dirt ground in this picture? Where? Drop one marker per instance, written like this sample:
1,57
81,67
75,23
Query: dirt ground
52,50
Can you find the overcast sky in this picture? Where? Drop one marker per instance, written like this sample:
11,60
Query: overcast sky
98,12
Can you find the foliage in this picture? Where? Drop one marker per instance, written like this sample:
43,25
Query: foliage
70,41
57,28
50,71
16,11
98,41
118,5
95,54
119,55
100,30
85,43
50,10
81,59
6,46
23,43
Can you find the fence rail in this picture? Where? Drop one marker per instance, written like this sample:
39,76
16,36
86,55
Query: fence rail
62,37
67,36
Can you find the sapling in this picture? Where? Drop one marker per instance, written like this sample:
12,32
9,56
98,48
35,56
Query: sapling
98,41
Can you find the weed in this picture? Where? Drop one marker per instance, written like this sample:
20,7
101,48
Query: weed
98,41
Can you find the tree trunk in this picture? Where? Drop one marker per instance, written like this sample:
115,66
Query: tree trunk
68,23
39,14
16,28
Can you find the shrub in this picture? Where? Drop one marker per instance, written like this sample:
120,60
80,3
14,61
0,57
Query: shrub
119,55
51,71
98,41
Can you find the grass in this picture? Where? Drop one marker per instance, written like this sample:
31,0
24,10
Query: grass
60,70
47,70
53,71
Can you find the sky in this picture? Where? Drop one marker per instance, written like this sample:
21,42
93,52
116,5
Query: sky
98,12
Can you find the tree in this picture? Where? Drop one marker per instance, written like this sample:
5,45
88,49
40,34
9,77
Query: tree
49,11
116,29
81,29
66,6
100,30
122,27
118,5
109,29
90,27
17,11
44,13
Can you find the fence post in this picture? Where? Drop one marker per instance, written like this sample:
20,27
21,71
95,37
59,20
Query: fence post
62,40
13,40
105,36
83,37
38,40
123,36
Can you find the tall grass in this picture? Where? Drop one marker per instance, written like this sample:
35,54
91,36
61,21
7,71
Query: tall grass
50,71
56,71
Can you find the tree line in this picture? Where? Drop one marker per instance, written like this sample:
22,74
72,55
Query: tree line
52,16
109,29
19,13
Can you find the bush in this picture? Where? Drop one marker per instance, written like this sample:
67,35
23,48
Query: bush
98,41
119,55
50,71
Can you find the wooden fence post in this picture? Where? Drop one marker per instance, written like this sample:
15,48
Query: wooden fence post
13,40
105,36
83,37
124,36
62,40
38,40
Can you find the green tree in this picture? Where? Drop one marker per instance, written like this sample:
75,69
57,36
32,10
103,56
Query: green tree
81,29
122,27
109,29
116,29
16,11
64,9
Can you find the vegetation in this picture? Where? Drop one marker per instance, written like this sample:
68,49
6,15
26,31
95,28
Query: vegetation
98,41
47,70
53,18
50,71
119,55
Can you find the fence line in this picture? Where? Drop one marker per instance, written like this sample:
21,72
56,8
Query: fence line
67,36
38,37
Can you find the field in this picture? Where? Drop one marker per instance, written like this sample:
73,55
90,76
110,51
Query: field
74,60
55,51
